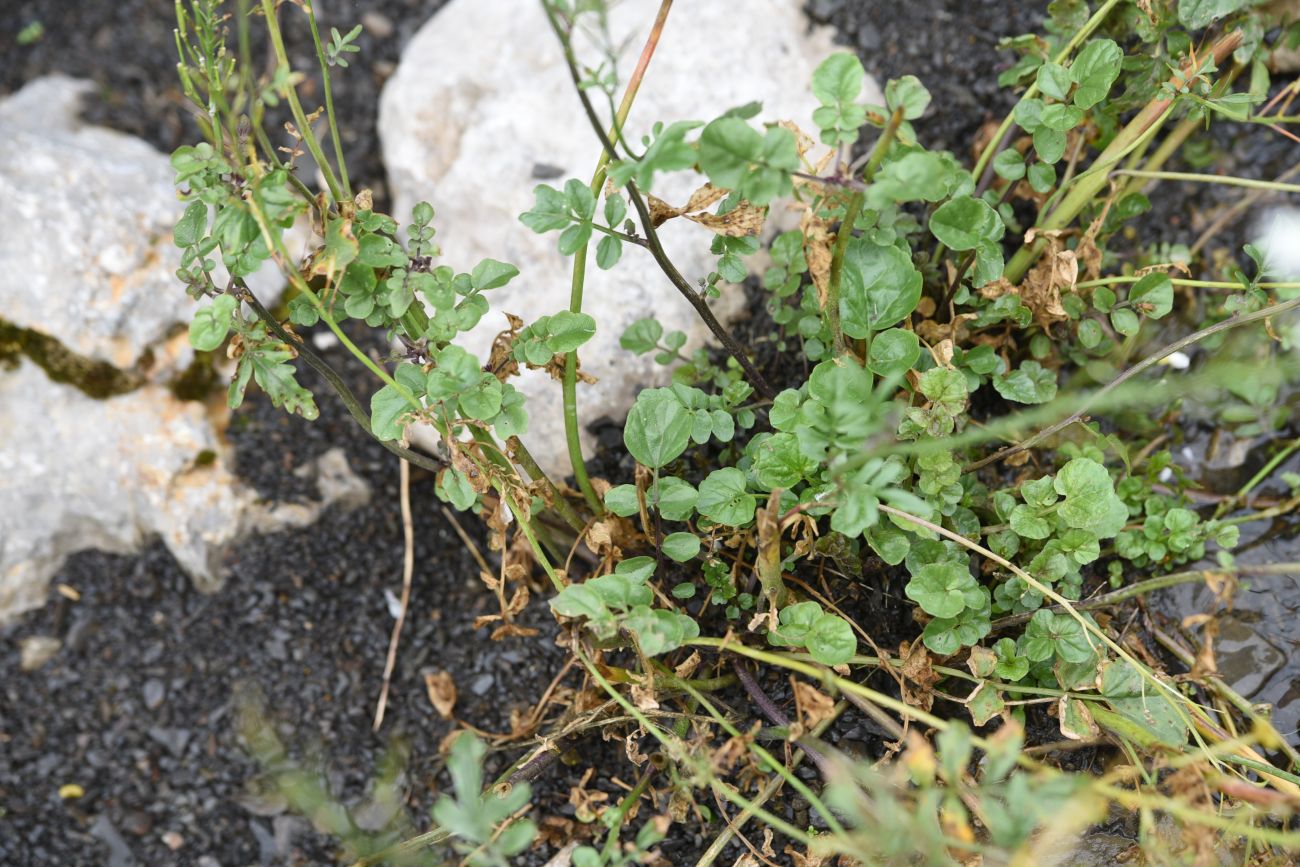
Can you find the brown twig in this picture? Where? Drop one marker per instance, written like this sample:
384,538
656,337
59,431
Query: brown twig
408,569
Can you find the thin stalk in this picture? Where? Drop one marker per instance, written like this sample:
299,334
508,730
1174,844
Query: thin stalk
1231,696
661,257
520,453
299,116
1255,480
777,767
774,785
329,102
1227,180
1196,284
1150,585
569,384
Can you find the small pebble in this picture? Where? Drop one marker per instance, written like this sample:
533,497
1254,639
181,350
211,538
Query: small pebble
154,693
173,841
36,650
377,24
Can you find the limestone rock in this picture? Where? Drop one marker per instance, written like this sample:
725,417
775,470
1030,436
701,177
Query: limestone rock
84,473
481,110
86,234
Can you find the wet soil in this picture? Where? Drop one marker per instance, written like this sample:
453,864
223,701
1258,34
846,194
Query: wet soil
140,706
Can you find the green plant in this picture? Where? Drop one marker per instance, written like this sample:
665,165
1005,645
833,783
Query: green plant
922,312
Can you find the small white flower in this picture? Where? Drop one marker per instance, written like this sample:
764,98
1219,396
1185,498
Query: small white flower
1177,360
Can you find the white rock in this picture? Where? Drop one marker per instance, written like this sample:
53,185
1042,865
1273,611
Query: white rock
86,233
481,105
84,473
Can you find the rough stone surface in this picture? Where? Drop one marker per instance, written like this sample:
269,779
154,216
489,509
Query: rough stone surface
86,234
86,257
473,129
83,473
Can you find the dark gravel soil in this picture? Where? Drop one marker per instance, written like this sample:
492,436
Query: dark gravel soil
141,706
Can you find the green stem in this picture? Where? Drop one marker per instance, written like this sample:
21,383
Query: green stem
569,385
521,454
299,116
1181,281
329,102
1226,180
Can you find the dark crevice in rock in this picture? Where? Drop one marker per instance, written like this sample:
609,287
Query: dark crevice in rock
97,379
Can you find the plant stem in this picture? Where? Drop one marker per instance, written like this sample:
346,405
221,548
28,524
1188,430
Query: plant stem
569,384
519,452
851,211
994,145
1150,585
666,265
1227,180
329,102
299,116
336,382
775,715
1133,371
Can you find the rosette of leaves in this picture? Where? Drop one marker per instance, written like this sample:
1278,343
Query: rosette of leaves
622,600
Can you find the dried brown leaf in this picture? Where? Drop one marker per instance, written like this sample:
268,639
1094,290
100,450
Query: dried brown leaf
442,692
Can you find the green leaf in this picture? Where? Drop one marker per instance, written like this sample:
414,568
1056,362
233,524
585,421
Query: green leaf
1029,383
1009,165
192,225
779,462
455,371
491,274
1049,144
674,498
964,223
831,640
1097,67
1142,702
881,287
795,623
569,330
681,546
1090,333
579,600
550,211
608,252
1090,500
1054,81
727,147
482,401
724,498
943,589
659,631
893,352
211,324
1153,295
908,94
388,405
622,501
1042,177
658,428
890,544
836,83
642,336
1195,14
1125,321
